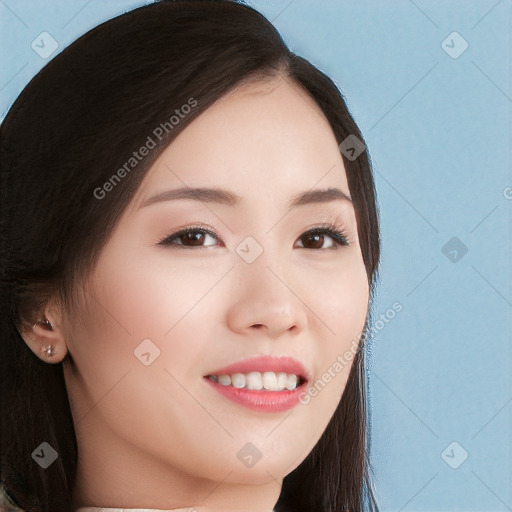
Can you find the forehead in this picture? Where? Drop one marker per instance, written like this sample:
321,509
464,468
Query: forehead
266,138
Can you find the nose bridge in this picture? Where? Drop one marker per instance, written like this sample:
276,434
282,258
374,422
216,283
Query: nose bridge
262,262
263,292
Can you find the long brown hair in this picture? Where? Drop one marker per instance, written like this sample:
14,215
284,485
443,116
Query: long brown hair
76,122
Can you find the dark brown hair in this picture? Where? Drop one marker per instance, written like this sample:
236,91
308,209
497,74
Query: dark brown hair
76,122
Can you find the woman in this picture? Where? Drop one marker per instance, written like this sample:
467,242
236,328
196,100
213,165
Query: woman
190,247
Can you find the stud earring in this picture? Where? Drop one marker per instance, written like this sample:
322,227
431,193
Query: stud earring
49,352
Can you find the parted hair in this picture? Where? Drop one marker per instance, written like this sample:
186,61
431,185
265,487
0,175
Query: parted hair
75,123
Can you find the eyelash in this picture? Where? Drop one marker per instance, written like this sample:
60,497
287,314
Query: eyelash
337,234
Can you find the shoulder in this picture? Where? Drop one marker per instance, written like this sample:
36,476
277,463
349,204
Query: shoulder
7,504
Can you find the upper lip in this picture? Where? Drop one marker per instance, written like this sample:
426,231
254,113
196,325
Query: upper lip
265,363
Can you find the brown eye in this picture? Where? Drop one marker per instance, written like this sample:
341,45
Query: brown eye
315,238
190,237
194,237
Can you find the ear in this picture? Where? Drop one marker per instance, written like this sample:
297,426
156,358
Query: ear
45,337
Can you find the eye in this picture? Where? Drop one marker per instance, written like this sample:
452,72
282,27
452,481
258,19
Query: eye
317,236
193,237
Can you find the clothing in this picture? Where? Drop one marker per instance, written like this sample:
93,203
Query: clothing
101,509
7,504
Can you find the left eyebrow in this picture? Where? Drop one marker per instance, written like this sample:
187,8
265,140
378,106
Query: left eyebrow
221,196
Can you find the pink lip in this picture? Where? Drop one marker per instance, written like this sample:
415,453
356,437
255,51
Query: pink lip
262,400
264,364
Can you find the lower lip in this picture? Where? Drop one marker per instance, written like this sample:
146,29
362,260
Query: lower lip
265,401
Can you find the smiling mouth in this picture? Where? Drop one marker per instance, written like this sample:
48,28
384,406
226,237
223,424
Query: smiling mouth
266,392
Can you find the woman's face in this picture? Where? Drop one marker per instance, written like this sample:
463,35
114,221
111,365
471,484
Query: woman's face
162,317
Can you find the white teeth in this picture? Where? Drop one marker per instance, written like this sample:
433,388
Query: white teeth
291,382
269,381
253,381
282,379
225,380
257,380
237,380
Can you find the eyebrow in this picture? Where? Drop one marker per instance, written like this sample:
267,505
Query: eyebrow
215,195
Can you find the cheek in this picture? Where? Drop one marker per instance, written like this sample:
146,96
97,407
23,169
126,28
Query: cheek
128,303
125,302
135,300
340,304
340,308
149,297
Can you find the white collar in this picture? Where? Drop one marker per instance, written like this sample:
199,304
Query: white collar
102,509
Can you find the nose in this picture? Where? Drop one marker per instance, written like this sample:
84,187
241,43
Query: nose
267,300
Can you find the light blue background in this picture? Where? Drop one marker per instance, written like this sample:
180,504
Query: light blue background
438,130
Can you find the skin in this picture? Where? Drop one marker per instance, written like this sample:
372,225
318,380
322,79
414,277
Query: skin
159,436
